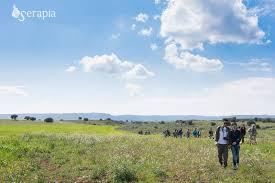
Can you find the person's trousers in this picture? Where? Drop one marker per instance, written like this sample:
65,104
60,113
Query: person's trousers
242,138
235,154
223,154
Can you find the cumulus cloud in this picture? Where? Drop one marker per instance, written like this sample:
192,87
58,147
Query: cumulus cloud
191,23
133,89
146,32
111,64
244,96
71,69
142,17
186,60
13,90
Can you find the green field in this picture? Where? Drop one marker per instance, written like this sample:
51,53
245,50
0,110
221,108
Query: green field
73,152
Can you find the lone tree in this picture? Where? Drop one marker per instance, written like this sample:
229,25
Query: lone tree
79,118
27,117
14,116
86,119
48,120
32,118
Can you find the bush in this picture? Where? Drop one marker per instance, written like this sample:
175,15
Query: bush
125,174
213,124
258,127
32,118
48,120
86,119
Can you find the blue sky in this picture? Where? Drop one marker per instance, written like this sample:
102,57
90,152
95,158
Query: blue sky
138,57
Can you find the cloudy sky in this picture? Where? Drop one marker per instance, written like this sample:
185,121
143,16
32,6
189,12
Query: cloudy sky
204,57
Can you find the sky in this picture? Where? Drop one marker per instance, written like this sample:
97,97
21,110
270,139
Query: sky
165,57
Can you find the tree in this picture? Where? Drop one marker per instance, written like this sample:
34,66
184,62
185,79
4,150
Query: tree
48,120
27,117
14,116
86,119
33,118
79,118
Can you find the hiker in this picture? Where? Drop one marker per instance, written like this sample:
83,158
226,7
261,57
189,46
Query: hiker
211,133
180,133
195,132
222,141
252,134
167,133
188,133
235,138
175,133
243,132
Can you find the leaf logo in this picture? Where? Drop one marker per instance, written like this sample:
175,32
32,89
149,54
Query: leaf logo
16,12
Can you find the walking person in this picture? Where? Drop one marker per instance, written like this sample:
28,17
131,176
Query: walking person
222,141
252,134
243,132
235,138
188,133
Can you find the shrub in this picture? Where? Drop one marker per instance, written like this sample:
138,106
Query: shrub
258,127
125,174
48,120
32,118
213,124
86,119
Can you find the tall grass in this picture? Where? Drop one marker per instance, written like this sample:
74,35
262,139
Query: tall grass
126,158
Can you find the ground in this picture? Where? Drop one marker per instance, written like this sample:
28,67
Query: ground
74,152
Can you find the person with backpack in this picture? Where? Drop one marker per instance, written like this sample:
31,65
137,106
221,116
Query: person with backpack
195,132
252,134
235,138
222,142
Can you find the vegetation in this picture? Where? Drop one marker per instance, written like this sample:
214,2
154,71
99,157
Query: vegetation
77,152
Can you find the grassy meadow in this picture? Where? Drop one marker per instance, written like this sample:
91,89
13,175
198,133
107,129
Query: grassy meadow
76,152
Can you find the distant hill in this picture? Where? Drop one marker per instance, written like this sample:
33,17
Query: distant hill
96,116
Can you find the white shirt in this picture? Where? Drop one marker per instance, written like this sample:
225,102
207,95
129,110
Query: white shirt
223,133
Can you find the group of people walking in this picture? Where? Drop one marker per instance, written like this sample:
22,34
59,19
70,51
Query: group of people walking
225,138
178,133
232,138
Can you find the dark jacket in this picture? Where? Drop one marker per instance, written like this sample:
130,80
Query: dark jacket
218,134
243,131
235,136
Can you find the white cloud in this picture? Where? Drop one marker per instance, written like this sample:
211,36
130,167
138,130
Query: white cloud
115,36
71,69
133,89
111,64
257,65
263,8
191,23
186,60
153,46
13,90
245,96
133,27
142,17
146,32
